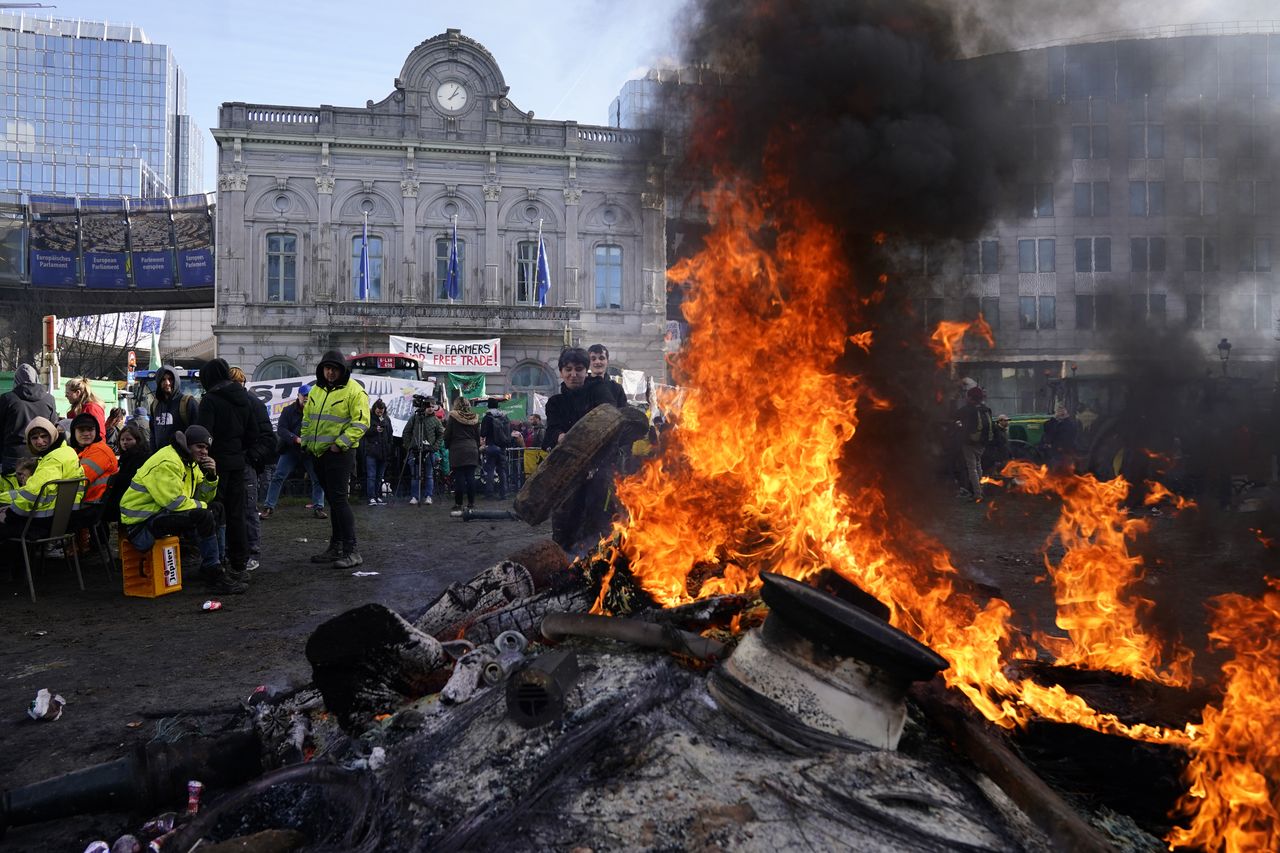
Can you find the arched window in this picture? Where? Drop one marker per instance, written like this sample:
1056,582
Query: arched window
609,276
276,367
375,267
282,268
533,376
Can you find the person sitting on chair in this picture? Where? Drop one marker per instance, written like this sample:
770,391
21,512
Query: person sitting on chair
55,461
96,458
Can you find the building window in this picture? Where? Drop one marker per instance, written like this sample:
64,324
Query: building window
1093,199
609,276
1201,198
276,367
986,307
375,267
1201,254
1202,311
1253,198
1093,254
533,376
442,267
1037,117
1090,142
526,272
1253,312
1037,255
1255,254
982,257
1035,201
1146,141
931,310
1147,254
1146,198
1093,311
1036,312
1199,140
282,268
1147,309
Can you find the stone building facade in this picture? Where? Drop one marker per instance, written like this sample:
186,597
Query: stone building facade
295,185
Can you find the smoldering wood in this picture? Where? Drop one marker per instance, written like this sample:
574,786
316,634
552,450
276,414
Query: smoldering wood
368,660
526,616
1064,827
460,603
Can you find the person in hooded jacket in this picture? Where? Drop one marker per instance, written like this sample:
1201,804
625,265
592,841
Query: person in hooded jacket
57,461
226,411
96,458
171,410
334,421
171,494
27,401
257,457
462,440
135,449
377,449
291,455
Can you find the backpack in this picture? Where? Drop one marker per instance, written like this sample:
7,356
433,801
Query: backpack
986,432
499,429
184,411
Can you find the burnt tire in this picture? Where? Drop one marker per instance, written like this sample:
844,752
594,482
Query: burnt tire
566,466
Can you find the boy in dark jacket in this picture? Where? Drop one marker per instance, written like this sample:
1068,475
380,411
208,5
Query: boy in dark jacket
227,412
171,410
377,449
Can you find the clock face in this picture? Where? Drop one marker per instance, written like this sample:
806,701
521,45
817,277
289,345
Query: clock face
451,96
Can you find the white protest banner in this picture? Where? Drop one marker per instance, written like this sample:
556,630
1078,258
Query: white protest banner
482,356
396,393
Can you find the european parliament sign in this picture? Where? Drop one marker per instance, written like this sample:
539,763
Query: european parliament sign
118,244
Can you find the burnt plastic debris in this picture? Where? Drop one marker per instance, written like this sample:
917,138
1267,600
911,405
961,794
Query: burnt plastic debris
848,630
536,693
472,514
154,774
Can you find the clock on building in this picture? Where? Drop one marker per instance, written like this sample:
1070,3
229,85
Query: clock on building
451,96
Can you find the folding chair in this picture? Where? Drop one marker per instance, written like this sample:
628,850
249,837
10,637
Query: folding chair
89,517
65,493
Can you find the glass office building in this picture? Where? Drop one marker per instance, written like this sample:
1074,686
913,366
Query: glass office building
93,109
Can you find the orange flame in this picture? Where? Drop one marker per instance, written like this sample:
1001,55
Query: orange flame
946,339
1235,766
1092,583
1157,492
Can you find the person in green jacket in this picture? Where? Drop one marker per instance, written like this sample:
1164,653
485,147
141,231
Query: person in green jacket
56,461
170,495
334,420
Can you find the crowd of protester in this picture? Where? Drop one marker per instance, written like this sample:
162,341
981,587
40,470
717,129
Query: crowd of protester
190,466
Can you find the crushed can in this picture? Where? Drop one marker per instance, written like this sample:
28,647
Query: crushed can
194,789
211,605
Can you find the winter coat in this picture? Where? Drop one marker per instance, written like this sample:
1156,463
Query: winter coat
289,427
423,430
59,462
616,392
495,428
18,408
170,480
176,411
227,412
462,437
336,415
129,463
263,451
568,407
377,441
96,458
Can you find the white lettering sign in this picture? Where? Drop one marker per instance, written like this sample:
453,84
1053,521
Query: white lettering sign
452,356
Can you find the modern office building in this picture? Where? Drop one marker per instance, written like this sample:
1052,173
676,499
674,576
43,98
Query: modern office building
90,108
447,148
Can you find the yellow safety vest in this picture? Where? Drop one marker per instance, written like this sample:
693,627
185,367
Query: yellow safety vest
61,463
165,483
337,417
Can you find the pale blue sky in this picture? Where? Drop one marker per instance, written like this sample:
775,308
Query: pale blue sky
563,59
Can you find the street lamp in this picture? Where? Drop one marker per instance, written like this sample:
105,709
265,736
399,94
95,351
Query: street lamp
1224,353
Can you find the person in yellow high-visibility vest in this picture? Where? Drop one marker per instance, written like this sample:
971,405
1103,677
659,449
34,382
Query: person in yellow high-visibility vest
334,420
56,461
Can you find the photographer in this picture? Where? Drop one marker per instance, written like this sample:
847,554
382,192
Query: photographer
423,433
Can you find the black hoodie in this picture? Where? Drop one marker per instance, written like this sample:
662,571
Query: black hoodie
27,400
335,358
226,410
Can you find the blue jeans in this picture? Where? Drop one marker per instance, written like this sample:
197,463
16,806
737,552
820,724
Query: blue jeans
286,465
428,464
375,471
495,457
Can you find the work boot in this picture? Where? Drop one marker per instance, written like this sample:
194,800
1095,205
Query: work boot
333,552
349,560
240,575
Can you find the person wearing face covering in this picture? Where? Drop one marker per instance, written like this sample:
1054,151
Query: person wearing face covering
227,412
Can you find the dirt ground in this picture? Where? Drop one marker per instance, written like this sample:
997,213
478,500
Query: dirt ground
123,664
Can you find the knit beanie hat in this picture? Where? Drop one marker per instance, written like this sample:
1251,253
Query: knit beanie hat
196,434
